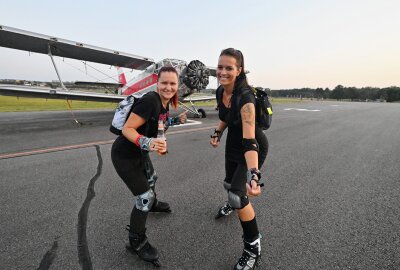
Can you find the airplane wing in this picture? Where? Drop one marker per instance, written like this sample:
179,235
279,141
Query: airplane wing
199,98
42,92
99,84
33,42
213,71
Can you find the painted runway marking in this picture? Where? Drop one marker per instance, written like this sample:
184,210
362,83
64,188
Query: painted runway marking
84,145
188,123
301,110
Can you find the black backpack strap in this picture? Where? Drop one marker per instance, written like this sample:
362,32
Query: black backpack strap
145,161
218,95
158,107
156,112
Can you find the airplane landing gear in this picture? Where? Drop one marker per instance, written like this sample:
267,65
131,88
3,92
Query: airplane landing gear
202,112
197,113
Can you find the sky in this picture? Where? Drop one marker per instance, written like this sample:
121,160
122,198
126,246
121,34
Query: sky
286,43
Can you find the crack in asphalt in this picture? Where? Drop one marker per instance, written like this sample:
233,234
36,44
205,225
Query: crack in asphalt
83,249
48,257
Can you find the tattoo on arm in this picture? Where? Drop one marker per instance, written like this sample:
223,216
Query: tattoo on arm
248,115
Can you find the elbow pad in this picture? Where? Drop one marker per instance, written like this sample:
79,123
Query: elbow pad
250,145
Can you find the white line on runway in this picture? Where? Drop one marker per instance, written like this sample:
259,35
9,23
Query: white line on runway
188,123
301,110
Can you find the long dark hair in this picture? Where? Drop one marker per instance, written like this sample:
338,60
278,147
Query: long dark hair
175,99
241,80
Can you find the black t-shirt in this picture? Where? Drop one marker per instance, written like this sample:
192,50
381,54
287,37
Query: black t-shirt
150,108
234,150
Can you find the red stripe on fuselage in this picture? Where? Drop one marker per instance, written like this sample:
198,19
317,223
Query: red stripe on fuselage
122,79
140,85
121,76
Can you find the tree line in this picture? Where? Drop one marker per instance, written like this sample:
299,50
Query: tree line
340,92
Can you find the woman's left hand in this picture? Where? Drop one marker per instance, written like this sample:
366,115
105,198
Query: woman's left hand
253,190
183,117
159,145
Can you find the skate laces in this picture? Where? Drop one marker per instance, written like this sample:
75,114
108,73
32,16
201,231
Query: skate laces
251,254
226,209
245,258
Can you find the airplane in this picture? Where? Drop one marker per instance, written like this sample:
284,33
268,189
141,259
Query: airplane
193,76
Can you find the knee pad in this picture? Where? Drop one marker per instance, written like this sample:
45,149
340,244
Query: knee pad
227,186
237,201
145,201
153,179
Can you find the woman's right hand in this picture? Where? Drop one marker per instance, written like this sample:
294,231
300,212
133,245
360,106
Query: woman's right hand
214,142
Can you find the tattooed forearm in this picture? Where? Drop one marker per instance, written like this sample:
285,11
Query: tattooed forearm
248,114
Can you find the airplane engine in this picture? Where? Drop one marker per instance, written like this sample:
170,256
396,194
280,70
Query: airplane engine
195,77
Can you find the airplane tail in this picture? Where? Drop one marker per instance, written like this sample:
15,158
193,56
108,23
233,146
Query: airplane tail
121,76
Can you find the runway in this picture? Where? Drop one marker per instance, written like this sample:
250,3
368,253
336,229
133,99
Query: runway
331,198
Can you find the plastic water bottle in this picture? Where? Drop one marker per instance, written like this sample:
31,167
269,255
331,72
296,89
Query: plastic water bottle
161,133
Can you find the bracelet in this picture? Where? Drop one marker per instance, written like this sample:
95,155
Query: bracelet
217,134
174,121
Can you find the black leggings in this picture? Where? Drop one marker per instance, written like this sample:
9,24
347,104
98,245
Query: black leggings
135,172
236,177
132,171
236,173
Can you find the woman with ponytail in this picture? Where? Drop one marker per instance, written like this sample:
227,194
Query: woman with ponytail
245,151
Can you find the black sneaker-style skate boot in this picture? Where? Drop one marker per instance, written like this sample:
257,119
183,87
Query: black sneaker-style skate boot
140,245
225,210
251,257
160,207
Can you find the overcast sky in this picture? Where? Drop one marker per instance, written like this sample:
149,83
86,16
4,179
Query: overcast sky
286,43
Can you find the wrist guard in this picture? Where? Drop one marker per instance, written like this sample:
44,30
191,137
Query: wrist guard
144,143
254,174
174,121
217,134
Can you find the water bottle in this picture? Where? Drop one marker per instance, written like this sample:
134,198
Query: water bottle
161,134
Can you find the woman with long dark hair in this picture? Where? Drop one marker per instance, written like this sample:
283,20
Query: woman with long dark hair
245,152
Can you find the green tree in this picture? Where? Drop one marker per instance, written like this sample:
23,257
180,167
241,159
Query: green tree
350,93
319,93
337,93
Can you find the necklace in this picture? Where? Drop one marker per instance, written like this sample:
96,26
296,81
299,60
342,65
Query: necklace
227,100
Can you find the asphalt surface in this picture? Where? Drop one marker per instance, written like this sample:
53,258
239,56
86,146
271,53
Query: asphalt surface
331,199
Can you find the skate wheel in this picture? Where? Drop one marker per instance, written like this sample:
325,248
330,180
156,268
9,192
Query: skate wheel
219,215
156,263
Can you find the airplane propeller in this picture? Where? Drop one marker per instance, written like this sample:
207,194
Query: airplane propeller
195,75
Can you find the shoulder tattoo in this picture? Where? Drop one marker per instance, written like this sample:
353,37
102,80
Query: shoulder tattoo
248,114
